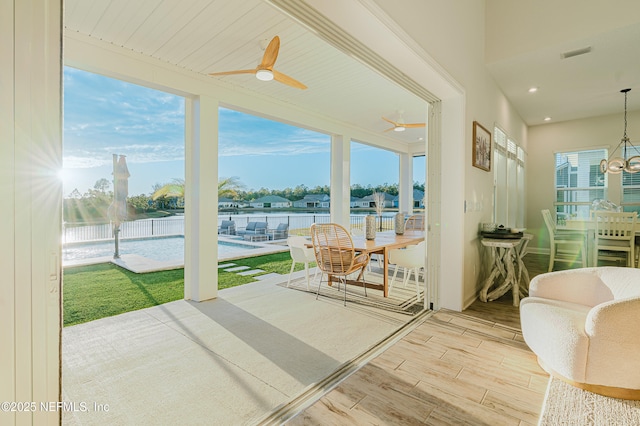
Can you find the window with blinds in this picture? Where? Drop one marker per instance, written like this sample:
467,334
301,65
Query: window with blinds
509,174
578,182
631,192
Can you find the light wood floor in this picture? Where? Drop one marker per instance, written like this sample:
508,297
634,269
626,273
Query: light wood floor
469,368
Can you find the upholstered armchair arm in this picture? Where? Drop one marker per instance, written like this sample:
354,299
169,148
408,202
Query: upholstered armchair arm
615,321
581,286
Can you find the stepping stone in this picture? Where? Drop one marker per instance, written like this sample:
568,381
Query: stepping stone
268,276
237,268
226,265
251,272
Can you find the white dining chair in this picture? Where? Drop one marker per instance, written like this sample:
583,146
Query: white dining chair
412,259
564,246
300,253
614,236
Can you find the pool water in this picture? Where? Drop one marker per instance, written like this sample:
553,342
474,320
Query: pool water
160,249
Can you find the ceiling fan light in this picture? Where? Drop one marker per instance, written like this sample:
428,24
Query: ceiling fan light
264,75
399,129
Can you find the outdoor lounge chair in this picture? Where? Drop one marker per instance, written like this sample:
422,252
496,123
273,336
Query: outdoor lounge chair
253,228
227,227
281,232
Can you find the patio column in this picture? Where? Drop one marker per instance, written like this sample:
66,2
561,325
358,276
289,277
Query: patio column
340,179
405,190
201,199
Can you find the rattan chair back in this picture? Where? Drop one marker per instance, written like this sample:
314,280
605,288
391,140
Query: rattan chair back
333,248
414,223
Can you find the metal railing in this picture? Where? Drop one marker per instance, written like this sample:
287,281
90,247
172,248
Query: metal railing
299,224
164,227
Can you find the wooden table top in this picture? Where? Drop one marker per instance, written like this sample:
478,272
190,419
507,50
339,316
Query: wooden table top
388,240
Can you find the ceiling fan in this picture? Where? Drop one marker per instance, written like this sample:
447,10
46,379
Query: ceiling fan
265,71
400,125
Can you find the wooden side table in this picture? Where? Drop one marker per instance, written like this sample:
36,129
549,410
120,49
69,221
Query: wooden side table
508,266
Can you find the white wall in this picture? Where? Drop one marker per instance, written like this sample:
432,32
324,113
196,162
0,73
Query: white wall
547,139
452,32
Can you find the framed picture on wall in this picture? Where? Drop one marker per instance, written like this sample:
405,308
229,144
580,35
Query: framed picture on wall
481,147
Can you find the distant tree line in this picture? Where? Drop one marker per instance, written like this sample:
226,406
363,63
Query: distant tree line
92,206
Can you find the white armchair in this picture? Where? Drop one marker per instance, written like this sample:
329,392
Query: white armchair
583,324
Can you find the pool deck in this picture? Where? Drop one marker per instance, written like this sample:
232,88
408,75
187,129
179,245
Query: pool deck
140,264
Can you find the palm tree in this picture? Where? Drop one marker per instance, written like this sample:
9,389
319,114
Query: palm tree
174,189
227,187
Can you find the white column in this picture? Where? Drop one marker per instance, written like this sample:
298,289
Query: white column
405,202
30,158
340,179
201,199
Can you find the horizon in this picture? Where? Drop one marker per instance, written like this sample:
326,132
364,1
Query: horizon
105,116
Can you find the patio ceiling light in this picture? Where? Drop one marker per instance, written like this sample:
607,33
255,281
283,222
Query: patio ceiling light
264,75
617,165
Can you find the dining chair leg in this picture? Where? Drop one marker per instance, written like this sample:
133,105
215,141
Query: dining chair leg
407,275
345,290
306,272
319,284
293,264
416,275
552,255
395,272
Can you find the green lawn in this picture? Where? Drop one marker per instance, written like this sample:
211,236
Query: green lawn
98,291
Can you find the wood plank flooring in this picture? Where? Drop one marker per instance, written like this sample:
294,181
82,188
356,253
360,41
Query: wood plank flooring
469,368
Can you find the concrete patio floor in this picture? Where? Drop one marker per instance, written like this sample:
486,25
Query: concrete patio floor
227,361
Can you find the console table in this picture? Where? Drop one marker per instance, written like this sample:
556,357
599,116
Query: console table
508,267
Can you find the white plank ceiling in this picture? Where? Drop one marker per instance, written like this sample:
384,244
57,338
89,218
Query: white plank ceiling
206,36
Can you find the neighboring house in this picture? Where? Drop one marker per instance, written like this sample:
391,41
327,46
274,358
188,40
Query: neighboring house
226,203
418,199
271,202
314,201
356,202
388,200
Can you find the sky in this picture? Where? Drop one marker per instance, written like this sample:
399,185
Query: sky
105,116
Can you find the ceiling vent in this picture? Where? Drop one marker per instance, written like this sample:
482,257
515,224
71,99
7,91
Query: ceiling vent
577,52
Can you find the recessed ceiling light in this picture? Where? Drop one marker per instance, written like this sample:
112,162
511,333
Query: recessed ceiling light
547,119
533,89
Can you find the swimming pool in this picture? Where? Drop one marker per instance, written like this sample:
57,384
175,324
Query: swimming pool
160,249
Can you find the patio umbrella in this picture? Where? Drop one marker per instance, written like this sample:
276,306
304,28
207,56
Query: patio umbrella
118,208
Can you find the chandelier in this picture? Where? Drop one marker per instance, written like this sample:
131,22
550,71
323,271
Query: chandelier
619,164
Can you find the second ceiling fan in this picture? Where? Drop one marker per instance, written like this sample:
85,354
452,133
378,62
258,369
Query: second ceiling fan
400,125
264,71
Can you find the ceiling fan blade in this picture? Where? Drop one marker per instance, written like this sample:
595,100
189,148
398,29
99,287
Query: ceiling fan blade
389,129
414,125
234,72
270,54
282,78
390,121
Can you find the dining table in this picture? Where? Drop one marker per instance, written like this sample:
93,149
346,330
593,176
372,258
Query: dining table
381,245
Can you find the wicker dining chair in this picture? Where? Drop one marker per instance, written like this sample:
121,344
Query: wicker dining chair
414,222
336,255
